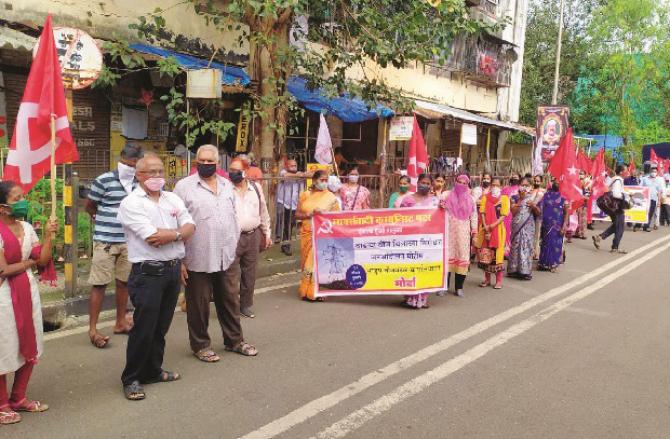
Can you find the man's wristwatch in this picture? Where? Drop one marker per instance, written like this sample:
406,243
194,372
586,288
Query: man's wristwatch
178,236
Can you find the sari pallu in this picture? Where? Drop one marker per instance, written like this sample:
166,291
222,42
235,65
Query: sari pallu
553,217
22,302
309,202
493,209
522,241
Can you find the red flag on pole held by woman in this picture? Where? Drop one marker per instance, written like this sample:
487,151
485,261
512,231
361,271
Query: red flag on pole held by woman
417,156
43,101
563,167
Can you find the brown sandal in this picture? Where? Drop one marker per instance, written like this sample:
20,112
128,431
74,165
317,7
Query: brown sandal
207,356
243,348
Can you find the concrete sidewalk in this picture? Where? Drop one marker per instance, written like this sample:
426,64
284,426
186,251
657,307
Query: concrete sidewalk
60,312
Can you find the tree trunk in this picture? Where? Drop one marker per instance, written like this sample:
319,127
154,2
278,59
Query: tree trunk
270,72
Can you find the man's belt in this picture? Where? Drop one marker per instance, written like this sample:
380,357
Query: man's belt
250,232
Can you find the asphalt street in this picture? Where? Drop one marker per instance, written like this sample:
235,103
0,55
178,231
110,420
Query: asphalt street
582,353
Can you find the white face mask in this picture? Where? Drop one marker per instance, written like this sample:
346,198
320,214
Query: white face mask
495,192
353,178
654,174
126,172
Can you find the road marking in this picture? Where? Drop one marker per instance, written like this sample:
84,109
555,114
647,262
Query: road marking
276,287
588,312
108,324
417,385
315,407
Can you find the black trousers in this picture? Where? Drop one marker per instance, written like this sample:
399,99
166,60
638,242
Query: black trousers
460,280
665,214
616,229
650,216
154,299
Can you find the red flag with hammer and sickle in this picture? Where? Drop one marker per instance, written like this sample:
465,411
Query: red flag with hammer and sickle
29,154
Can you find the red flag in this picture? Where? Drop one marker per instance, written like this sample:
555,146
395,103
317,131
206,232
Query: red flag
599,173
563,167
631,166
29,154
653,157
417,157
584,162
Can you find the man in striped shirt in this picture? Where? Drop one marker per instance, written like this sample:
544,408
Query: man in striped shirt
110,253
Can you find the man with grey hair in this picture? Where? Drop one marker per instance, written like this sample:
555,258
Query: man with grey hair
209,268
110,252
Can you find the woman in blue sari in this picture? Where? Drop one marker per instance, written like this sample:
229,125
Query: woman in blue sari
554,224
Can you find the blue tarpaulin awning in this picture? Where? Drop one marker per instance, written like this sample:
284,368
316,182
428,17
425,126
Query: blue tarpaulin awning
345,108
231,75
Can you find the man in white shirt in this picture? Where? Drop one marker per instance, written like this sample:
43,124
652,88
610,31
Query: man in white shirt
618,218
155,223
656,185
254,221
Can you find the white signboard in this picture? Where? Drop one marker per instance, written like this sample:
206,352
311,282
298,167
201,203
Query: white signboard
79,56
469,134
401,128
203,84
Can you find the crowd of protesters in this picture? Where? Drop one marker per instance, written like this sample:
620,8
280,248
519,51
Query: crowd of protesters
207,234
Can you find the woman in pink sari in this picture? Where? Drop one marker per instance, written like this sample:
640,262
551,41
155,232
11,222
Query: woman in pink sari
353,195
20,307
422,198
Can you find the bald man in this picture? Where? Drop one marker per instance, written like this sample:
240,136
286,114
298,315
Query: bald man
155,223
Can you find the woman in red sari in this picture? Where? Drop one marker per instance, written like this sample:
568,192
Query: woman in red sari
20,307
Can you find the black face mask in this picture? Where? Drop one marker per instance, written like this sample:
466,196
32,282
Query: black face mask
236,176
536,185
514,181
554,187
206,170
486,184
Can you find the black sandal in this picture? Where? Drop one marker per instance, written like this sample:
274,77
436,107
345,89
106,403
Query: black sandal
164,377
134,391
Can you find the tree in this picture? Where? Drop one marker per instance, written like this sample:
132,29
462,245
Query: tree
340,35
540,53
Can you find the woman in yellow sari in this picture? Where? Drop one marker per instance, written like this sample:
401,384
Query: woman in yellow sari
315,200
491,236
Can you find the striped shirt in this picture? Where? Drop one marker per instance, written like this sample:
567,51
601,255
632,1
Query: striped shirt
108,192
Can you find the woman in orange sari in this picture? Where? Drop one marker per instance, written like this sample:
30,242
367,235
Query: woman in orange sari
315,200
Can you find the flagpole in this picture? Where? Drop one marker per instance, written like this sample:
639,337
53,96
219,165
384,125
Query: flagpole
53,167
554,97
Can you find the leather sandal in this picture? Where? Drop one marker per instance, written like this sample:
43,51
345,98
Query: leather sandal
243,348
164,377
134,391
207,356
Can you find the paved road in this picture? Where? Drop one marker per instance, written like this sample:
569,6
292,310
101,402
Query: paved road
578,354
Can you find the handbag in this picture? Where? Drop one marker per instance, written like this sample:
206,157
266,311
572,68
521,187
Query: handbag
610,205
261,245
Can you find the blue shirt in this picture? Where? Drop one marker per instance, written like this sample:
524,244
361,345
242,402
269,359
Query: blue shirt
656,186
108,192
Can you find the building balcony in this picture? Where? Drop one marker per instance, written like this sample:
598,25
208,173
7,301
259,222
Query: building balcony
483,59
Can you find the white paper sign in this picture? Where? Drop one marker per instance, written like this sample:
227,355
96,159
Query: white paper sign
469,134
401,128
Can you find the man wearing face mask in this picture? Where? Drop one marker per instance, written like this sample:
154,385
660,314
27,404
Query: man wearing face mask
156,223
656,185
110,252
209,268
254,221
288,191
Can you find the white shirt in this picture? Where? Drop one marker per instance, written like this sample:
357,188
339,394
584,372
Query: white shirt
616,186
141,217
248,209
